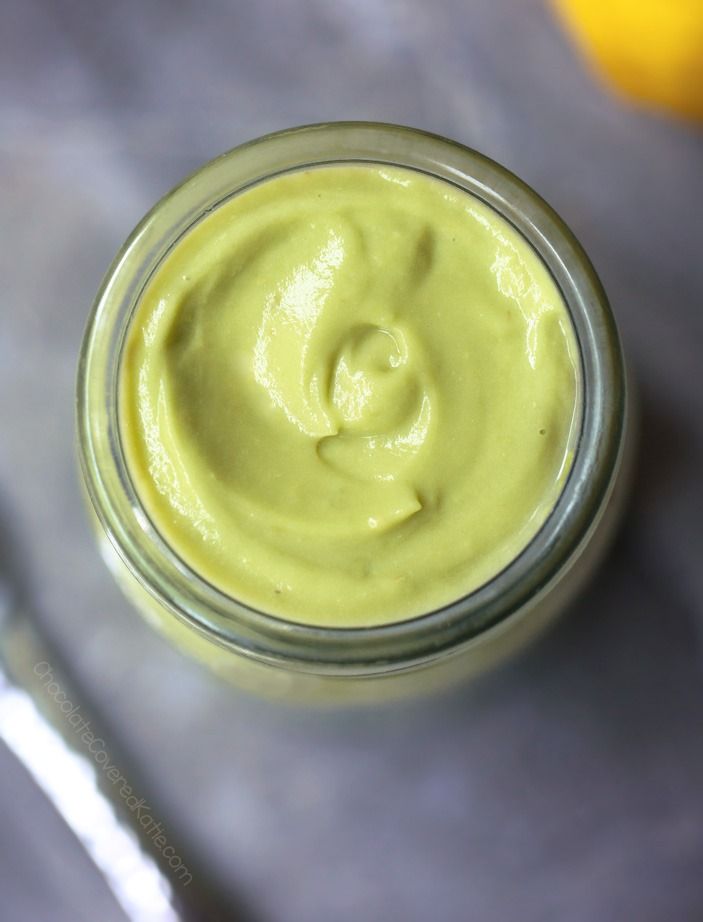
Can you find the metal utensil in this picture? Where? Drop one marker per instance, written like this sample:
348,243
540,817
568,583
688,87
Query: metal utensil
34,725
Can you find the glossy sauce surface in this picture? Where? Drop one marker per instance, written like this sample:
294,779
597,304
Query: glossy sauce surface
348,395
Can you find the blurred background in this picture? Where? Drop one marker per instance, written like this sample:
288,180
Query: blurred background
567,785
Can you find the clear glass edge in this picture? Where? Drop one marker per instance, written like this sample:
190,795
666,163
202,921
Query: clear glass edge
275,640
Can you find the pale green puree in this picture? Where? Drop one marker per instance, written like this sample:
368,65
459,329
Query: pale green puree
349,395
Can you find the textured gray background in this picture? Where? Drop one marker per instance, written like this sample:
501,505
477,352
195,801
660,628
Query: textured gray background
569,785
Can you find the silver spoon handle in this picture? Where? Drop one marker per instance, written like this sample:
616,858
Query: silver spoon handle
69,779
34,724
80,772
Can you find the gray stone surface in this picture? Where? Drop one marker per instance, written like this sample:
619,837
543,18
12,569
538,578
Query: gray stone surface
566,786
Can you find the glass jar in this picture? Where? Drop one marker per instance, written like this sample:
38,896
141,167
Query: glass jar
279,657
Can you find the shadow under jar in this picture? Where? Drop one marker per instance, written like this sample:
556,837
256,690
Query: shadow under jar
281,657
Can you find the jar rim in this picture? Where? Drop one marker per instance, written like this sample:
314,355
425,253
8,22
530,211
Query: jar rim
267,637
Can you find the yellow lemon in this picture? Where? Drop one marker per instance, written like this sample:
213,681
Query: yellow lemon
651,50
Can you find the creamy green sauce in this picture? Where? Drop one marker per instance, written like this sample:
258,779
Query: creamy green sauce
349,395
